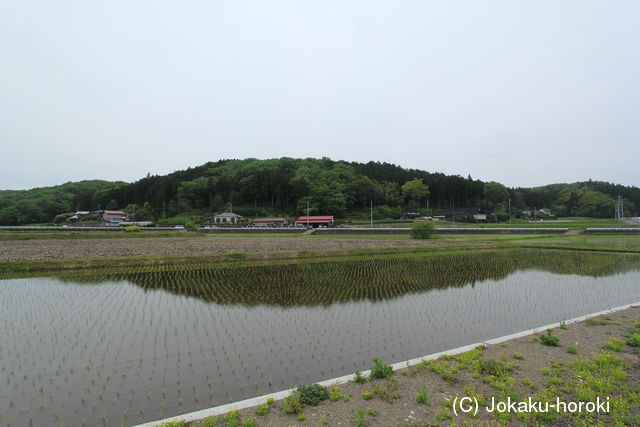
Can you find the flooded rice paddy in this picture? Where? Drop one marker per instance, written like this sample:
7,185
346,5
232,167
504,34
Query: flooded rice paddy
139,344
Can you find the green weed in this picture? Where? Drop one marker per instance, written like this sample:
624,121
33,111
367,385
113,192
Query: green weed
550,339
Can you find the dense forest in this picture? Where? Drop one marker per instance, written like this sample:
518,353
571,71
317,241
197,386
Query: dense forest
287,186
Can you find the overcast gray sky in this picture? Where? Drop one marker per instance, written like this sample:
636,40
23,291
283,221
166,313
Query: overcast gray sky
522,92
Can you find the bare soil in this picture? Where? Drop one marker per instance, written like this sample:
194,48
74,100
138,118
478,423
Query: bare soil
116,248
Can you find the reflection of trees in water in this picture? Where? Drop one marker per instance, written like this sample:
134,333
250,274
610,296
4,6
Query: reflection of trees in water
373,277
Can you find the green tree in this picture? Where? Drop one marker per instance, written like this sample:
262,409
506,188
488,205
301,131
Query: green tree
9,216
495,193
415,190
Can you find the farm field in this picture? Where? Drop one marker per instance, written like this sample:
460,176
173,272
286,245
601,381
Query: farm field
139,343
578,223
110,248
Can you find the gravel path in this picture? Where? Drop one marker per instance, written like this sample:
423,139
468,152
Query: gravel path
112,248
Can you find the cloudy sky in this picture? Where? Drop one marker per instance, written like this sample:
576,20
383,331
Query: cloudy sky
522,92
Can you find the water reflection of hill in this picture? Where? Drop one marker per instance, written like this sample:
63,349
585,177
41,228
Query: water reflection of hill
374,278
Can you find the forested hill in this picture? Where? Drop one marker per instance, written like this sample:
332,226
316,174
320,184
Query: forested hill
284,187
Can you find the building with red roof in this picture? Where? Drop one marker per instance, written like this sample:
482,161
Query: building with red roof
269,222
315,221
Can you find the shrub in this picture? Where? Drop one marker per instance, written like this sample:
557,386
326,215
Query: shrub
359,378
423,230
380,369
550,339
312,394
132,228
291,404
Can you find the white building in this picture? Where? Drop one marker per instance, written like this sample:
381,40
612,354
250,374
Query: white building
227,218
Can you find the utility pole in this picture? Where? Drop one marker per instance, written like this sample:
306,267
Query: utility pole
372,214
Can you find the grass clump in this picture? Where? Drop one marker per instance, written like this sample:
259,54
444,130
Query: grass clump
372,412
249,423
550,339
262,410
573,349
443,415
380,369
423,396
387,392
367,395
633,340
238,256
360,419
615,344
423,230
210,422
334,394
359,378
233,418
292,404
494,368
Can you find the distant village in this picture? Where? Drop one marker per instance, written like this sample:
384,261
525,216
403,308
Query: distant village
119,218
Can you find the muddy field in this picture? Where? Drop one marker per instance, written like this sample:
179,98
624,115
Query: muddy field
112,248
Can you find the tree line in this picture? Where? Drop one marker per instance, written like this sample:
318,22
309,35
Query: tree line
288,186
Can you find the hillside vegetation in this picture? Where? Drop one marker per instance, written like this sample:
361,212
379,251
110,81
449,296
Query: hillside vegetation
287,186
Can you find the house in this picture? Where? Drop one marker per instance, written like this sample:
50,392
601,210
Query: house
411,215
227,218
113,217
534,213
269,222
315,221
